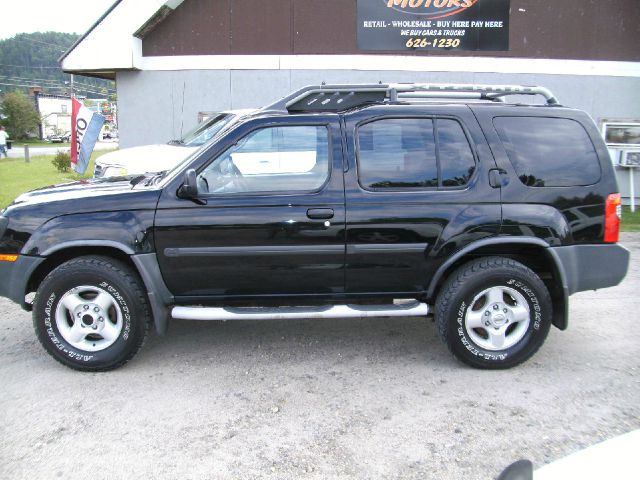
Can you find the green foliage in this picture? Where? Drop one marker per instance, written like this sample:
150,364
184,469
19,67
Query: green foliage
18,176
22,119
62,161
630,220
32,59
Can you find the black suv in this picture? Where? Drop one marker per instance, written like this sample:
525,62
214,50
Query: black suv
337,201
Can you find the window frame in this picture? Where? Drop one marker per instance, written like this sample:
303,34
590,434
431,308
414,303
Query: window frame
262,193
434,119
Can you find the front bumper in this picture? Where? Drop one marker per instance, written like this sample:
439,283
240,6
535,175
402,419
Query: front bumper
14,277
589,267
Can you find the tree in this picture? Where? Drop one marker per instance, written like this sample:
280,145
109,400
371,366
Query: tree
32,59
19,115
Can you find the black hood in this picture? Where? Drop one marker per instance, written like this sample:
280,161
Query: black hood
84,196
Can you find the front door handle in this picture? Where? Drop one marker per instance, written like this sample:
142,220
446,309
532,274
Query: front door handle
320,213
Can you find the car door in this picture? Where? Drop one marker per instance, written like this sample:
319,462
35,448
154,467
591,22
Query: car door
269,217
416,190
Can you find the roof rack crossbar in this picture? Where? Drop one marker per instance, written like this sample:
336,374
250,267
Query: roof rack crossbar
491,91
449,95
334,98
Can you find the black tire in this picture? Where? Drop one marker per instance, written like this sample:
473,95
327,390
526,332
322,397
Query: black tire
129,310
462,296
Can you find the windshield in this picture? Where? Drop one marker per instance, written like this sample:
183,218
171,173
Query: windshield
206,130
225,126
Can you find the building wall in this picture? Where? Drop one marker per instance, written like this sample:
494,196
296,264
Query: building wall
55,112
156,106
567,29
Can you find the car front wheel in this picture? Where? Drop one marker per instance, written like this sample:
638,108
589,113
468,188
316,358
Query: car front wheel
91,313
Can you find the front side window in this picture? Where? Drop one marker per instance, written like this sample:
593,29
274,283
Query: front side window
273,159
415,153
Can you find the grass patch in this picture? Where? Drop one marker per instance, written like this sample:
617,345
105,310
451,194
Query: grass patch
17,176
631,221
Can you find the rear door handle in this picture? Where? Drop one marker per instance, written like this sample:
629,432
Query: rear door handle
320,213
498,178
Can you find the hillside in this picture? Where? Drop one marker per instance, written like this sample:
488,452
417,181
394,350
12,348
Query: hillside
31,59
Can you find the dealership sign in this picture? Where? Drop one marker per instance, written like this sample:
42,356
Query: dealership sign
417,25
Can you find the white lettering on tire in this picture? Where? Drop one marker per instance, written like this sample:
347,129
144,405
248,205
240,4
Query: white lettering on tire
81,356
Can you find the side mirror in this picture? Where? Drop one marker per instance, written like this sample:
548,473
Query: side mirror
189,188
520,470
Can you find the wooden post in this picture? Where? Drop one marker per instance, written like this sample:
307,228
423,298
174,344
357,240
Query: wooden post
632,192
26,153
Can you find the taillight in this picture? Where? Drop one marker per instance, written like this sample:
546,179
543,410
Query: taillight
612,216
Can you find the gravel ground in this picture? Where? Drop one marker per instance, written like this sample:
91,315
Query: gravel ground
378,398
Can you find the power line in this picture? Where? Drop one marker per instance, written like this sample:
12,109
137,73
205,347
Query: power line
29,66
21,39
17,85
54,83
29,79
24,37
53,80
57,86
54,87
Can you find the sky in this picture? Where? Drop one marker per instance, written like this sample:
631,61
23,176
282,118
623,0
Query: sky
27,16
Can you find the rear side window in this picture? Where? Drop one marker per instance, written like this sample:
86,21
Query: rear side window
398,153
413,153
549,152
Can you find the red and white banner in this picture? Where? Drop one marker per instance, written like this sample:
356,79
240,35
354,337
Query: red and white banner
85,129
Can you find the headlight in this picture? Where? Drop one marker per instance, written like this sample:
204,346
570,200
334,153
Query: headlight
115,172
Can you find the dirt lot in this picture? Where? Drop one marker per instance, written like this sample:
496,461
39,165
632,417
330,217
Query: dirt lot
377,398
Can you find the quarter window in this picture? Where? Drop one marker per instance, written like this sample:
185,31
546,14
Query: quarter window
274,159
456,160
549,152
404,153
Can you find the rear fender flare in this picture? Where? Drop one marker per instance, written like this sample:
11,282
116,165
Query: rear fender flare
560,317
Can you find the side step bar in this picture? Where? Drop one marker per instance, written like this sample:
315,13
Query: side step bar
411,309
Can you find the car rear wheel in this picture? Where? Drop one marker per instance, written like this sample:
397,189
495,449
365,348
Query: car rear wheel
493,313
91,313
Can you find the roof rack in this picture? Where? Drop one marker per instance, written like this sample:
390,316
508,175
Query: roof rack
336,98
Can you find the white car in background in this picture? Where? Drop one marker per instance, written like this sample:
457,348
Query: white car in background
613,459
160,157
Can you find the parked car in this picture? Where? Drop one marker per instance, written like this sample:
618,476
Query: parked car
62,138
110,135
337,201
156,158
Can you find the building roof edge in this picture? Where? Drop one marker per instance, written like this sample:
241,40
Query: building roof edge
96,23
